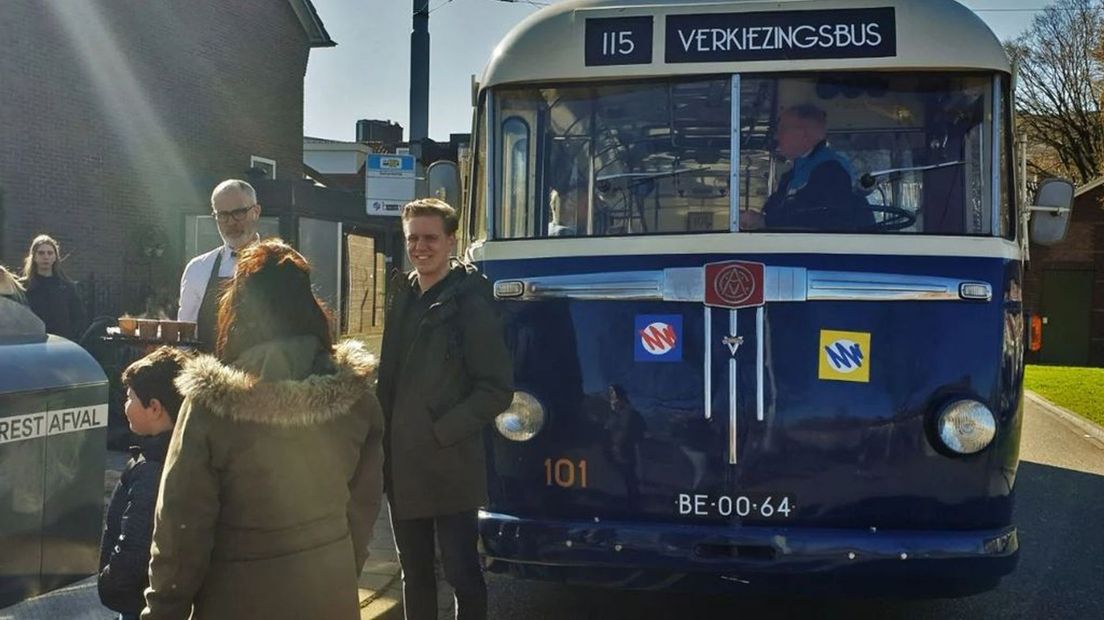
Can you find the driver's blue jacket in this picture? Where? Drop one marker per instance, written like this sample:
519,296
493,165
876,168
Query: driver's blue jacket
818,193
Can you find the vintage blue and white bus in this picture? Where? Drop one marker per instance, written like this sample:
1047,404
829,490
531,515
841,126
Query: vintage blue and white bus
731,372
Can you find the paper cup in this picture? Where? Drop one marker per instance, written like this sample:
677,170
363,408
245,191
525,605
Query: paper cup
128,326
147,329
170,331
187,331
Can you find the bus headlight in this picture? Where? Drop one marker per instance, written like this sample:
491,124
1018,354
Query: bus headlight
966,426
523,419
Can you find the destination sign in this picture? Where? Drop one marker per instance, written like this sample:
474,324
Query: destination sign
619,41
785,35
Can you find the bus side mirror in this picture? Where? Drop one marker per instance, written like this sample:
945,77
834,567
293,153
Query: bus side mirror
1050,215
444,182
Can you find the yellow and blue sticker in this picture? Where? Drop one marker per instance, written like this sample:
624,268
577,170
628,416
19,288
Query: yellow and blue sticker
658,338
844,356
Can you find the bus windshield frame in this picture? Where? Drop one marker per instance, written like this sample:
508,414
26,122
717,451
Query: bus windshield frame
927,153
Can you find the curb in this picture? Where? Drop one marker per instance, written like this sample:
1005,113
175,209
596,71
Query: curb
1089,429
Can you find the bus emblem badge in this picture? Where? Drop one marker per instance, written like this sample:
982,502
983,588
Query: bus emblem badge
733,343
734,284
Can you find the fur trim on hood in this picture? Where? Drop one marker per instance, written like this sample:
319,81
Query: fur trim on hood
234,394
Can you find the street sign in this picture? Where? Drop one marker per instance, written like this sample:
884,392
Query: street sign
389,183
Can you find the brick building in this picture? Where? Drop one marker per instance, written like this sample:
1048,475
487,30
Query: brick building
351,250
118,117
1065,285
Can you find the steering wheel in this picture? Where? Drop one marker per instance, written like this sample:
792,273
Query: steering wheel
893,218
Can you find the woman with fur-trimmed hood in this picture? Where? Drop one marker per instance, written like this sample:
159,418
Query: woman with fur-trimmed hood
273,478
10,286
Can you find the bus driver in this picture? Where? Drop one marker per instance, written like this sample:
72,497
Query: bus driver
818,192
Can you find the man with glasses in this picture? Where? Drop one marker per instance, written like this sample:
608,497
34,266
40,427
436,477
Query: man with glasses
235,209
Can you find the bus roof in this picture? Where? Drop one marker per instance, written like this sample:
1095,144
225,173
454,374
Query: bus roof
648,38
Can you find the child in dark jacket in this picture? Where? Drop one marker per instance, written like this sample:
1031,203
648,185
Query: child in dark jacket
151,408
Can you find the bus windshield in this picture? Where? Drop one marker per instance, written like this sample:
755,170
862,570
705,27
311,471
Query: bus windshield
845,152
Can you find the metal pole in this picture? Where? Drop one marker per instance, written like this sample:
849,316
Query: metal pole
419,74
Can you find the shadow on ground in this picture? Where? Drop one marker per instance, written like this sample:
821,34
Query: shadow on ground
1059,575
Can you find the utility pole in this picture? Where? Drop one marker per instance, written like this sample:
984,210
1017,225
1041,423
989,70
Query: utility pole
419,90
419,75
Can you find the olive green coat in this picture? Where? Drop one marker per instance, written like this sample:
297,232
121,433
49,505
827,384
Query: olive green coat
441,394
271,486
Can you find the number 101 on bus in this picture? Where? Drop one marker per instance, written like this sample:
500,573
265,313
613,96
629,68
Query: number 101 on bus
760,506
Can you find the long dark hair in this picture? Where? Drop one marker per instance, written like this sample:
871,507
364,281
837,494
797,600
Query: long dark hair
30,272
269,298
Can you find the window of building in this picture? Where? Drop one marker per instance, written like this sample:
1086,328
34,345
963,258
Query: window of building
265,164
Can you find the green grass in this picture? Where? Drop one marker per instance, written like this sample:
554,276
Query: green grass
1081,390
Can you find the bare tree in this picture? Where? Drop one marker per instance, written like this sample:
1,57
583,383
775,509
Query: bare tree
1058,91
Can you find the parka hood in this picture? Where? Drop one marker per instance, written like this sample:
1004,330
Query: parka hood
238,395
9,286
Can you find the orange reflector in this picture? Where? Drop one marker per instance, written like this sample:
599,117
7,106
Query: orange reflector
1036,343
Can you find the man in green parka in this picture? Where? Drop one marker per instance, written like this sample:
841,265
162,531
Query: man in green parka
445,373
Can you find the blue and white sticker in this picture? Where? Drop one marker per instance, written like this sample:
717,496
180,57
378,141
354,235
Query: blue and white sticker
658,338
845,356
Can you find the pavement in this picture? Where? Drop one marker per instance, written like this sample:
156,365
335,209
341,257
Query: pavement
380,584
1086,428
1059,500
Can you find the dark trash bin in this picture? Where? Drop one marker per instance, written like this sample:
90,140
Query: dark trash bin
53,424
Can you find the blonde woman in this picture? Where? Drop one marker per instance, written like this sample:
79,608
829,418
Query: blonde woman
10,286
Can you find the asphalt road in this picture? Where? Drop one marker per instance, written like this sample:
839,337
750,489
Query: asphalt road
1059,512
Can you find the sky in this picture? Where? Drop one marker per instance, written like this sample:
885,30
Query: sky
367,75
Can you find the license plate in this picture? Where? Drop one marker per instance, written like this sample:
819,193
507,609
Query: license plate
752,506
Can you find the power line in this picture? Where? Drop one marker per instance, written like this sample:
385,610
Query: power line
1035,10
539,3
535,3
544,3
441,5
